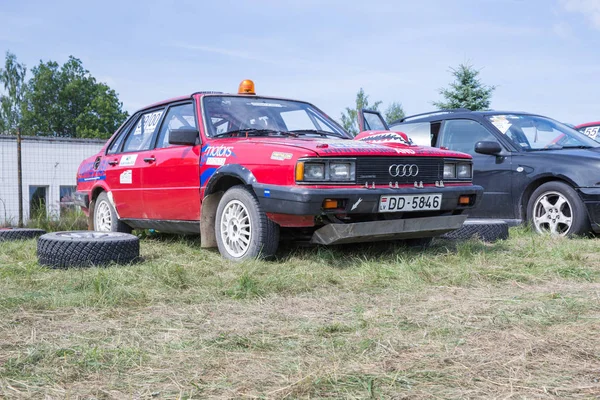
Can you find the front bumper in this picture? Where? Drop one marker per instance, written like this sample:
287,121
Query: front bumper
298,200
387,230
591,199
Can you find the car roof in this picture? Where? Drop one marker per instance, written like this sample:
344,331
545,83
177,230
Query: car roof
203,93
454,114
586,124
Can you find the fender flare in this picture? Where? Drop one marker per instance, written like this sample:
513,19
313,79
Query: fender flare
230,170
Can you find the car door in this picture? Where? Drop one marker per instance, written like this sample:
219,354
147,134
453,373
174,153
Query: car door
369,120
492,172
123,175
171,172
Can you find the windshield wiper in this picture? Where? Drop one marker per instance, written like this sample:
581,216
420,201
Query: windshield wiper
254,131
581,146
316,132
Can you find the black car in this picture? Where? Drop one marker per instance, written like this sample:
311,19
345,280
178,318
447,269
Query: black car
532,168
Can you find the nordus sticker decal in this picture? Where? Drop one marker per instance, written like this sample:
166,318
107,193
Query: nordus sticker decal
126,177
279,156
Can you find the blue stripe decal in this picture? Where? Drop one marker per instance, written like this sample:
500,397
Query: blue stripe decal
93,178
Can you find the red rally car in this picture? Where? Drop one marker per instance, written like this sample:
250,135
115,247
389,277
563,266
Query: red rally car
243,170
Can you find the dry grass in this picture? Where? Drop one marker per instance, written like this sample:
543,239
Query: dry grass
519,319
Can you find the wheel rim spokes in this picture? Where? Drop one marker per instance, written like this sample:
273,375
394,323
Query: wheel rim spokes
236,230
552,213
103,219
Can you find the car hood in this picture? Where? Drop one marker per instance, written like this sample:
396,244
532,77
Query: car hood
357,147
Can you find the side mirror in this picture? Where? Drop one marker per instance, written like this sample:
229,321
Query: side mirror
488,147
183,136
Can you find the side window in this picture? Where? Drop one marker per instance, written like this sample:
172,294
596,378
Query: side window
142,132
462,134
116,145
181,116
419,132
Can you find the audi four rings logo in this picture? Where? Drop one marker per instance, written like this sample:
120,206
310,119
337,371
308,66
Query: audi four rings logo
400,170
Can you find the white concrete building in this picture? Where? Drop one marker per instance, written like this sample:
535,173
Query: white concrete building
49,168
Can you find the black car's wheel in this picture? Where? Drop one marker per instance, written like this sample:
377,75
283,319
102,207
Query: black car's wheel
85,249
556,208
105,217
19,233
242,229
487,230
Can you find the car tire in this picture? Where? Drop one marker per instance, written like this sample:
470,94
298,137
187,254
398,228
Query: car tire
7,234
237,240
105,217
487,230
556,208
86,249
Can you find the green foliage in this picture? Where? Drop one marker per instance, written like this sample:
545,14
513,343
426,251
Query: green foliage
12,79
466,91
394,112
349,118
68,101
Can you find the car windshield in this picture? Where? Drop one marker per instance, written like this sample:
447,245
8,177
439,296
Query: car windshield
230,115
535,133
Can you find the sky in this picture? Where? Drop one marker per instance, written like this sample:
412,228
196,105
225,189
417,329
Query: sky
542,55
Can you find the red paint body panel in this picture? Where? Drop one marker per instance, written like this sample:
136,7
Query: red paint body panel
171,184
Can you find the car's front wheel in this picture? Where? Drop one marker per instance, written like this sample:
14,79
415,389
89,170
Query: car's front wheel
105,216
242,229
556,208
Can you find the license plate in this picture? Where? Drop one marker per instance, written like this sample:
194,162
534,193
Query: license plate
417,202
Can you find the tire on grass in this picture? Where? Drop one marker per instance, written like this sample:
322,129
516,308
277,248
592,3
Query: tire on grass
487,230
242,228
87,248
7,234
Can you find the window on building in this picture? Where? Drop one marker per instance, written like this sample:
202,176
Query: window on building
66,198
37,201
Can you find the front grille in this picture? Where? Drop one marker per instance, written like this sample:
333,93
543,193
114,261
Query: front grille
376,169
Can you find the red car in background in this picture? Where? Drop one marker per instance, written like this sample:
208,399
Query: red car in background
590,129
240,169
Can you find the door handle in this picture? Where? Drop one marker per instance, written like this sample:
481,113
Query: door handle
149,159
113,162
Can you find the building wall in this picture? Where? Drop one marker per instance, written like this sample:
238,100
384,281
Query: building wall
49,162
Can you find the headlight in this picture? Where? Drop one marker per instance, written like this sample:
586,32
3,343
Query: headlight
341,171
314,172
326,171
449,171
463,170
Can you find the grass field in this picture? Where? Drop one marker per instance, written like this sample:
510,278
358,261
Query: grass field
515,319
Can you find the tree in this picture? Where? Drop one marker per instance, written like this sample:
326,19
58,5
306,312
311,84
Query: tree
349,118
67,101
12,78
394,112
466,91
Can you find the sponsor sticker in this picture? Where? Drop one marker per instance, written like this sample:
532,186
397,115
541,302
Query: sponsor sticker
591,132
501,123
267,192
127,161
148,122
220,161
218,151
126,177
280,156
257,104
